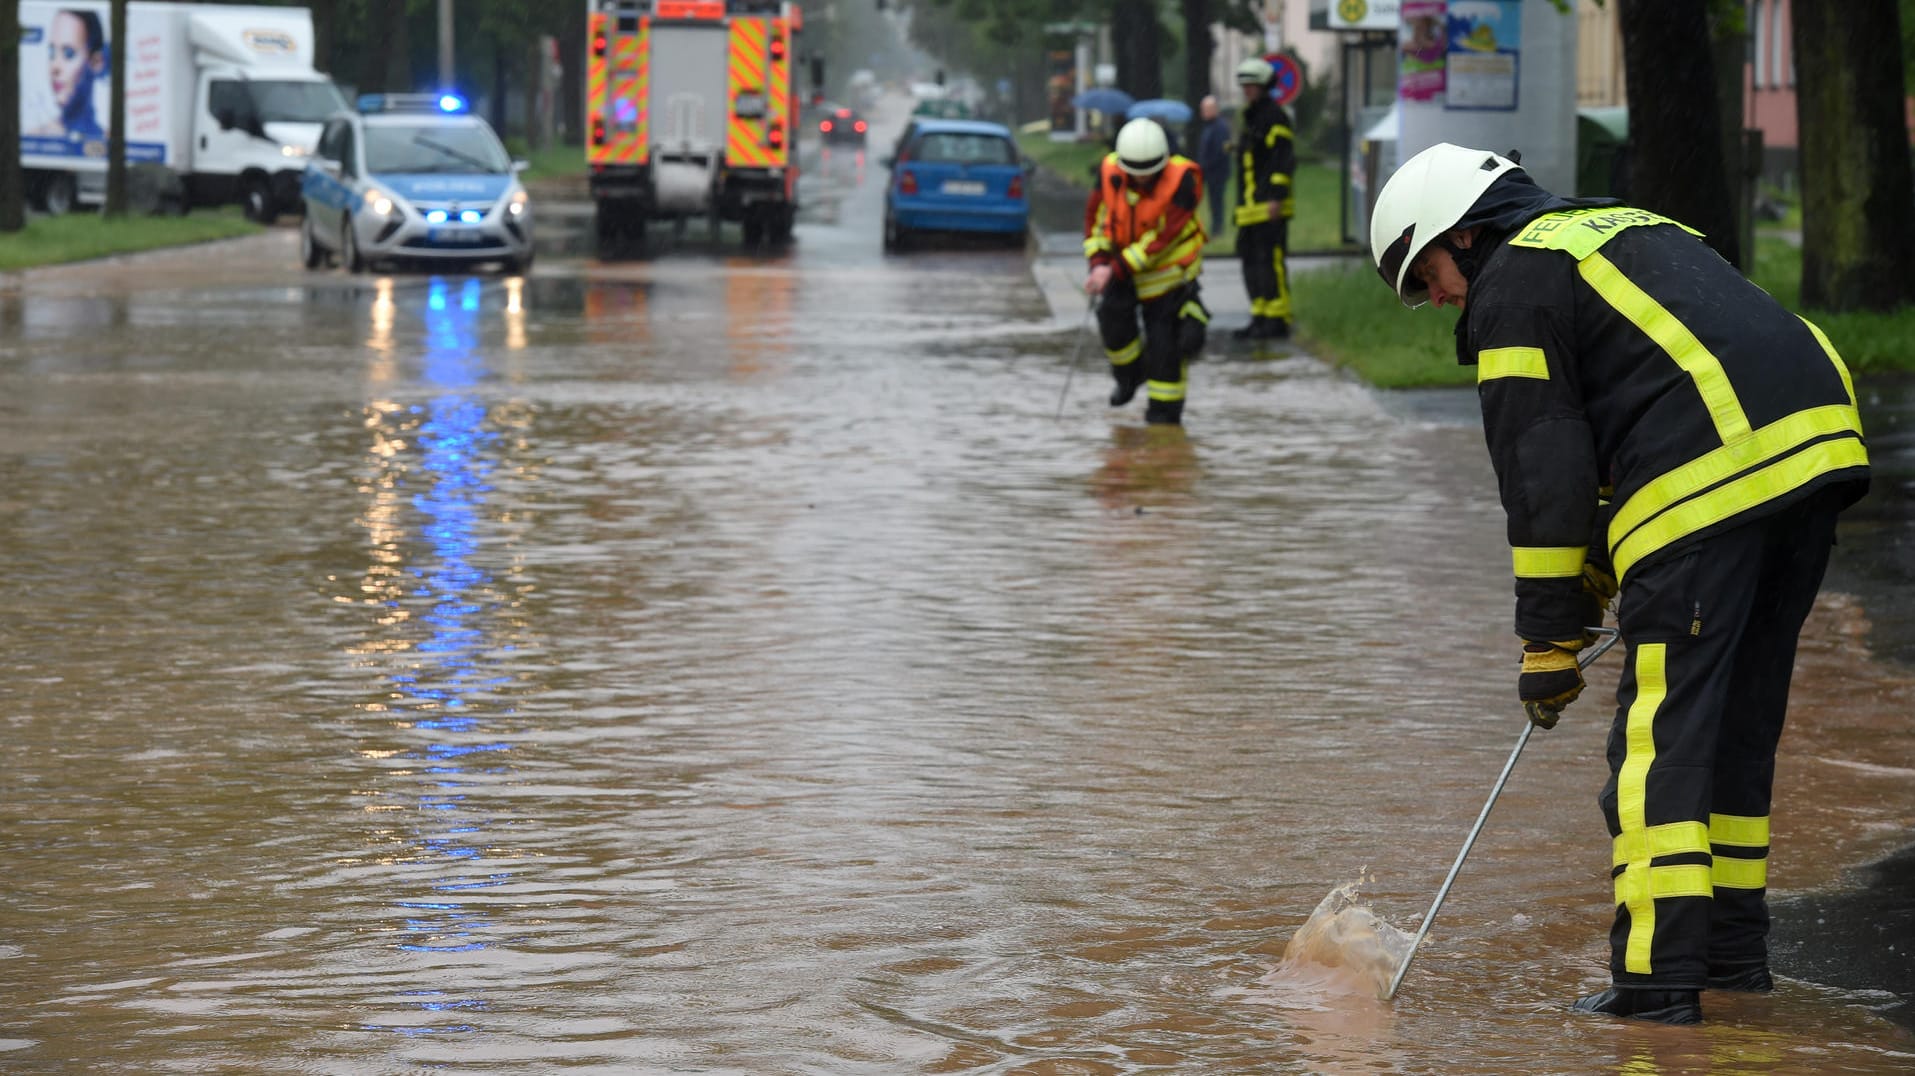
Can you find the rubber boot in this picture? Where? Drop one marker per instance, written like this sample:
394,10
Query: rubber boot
1661,1006
1274,329
1165,413
1126,388
1744,978
1248,332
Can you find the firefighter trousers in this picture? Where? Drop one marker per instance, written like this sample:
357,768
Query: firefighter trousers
1265,277
1157,353
1712,636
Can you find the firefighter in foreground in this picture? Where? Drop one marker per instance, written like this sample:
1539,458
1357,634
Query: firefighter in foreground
1265,202
1619,358
1145,246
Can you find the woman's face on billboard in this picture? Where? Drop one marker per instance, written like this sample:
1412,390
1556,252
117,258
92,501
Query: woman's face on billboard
67,54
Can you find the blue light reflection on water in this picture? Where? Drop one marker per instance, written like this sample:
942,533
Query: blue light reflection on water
448,692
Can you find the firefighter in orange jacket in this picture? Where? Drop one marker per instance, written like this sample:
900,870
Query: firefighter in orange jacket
1145,247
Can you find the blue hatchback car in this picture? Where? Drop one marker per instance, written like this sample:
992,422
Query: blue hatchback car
956,176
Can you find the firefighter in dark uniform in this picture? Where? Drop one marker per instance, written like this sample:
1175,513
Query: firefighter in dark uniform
1653,418
1267,159
1145,247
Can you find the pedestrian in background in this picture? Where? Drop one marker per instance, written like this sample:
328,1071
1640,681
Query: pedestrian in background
1145,246
1620,359
1267,156
1213,156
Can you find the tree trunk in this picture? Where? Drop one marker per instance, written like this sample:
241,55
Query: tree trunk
116,113
1198,47
13,185
390,69
323,12
1675,126
1133,36
572,50
501,85
1857,220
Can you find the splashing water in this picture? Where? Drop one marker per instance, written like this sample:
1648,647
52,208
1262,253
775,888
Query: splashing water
1343,948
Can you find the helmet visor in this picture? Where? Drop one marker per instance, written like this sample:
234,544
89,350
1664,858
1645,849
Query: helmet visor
1390,265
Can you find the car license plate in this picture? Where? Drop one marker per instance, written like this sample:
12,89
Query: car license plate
963,186
454,235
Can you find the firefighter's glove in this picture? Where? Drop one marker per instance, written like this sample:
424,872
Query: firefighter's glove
1098,279
1599,583
1550,680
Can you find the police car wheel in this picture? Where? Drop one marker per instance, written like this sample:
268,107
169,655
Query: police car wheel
349,255
310,252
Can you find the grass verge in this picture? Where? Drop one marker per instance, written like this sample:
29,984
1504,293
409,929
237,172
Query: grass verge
551,162
1346,316
80,236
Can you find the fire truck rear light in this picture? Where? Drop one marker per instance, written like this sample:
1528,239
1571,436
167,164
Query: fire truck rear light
777,48
598,45
777,134
825,126
598,131
858,127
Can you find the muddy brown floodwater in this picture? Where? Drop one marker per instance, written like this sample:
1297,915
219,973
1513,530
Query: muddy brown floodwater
726,664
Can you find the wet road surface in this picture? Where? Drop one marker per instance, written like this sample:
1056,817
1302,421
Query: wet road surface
725,663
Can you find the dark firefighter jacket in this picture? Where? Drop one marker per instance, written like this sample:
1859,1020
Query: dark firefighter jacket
1613,347
1267,163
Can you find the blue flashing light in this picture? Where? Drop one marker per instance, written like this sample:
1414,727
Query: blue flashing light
470,216
451,102
436,216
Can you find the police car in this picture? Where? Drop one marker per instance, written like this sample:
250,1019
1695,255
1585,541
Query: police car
413,177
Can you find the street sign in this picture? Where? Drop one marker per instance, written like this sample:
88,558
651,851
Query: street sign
1286,80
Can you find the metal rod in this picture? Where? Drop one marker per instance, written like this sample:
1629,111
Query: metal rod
1609,639
1076,353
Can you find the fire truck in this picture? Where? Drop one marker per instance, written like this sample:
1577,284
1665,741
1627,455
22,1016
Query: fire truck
691,112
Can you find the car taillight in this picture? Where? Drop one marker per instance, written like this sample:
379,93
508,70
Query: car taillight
824,125
1017,186
908,183
859,127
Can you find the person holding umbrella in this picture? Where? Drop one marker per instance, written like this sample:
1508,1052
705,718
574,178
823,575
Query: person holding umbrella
1265,204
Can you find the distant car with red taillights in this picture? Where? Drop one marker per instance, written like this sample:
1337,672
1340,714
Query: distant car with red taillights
842,126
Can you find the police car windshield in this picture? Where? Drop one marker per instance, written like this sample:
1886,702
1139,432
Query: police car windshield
412,148
295,102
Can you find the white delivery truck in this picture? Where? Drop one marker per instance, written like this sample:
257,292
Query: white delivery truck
223,96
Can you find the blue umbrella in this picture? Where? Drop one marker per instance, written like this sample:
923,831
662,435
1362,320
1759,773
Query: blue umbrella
1103,99
1162,109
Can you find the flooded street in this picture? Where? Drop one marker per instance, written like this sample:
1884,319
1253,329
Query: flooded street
725,662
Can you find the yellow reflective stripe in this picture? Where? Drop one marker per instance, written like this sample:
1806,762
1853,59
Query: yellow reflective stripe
1739,831
1668,839
1632,786
1674,337
1549,562
1277,131
1644,888
1778,437
1167,391
1135,257
1254,213
1195,310
1744,493
1127,354
1729,873
1495,362
1840,366
1096,244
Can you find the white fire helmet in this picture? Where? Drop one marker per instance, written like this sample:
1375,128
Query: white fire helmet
1142,148
1255,71
1423,200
